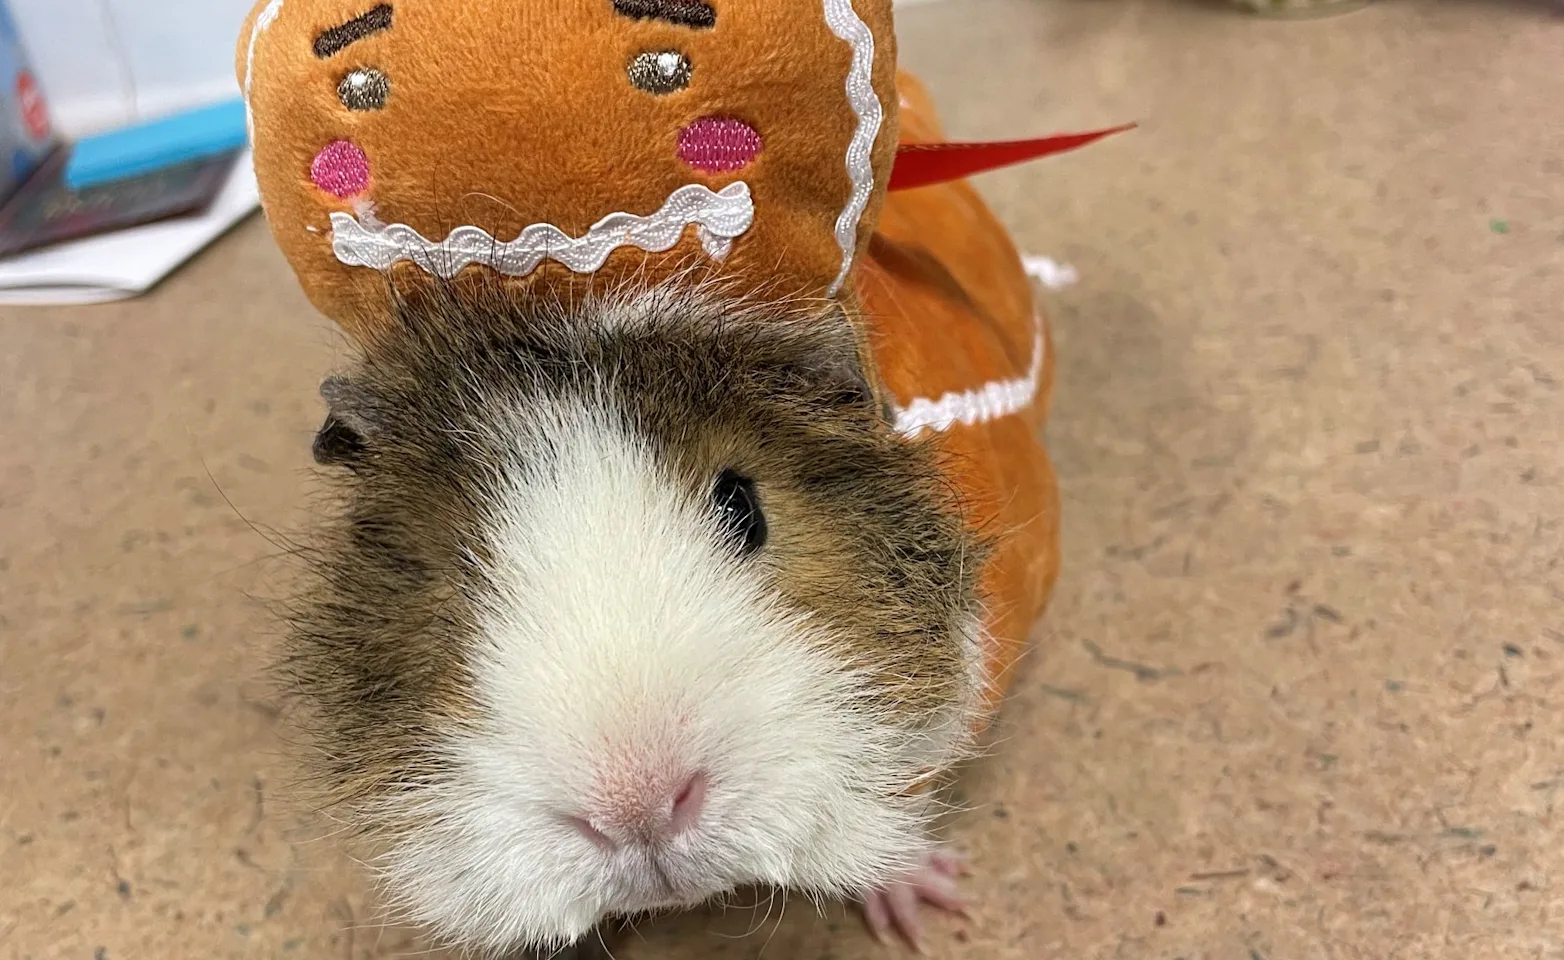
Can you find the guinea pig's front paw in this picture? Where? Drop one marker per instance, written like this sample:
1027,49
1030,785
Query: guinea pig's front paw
896,906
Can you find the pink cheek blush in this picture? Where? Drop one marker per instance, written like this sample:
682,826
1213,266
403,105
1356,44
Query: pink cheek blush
719,144
341,170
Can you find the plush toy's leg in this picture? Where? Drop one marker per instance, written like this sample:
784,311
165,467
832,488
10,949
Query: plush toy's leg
896,907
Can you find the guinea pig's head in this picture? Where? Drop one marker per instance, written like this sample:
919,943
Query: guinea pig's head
629,604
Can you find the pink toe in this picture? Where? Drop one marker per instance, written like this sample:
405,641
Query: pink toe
877,915
950,863
898,906
904,911
941,891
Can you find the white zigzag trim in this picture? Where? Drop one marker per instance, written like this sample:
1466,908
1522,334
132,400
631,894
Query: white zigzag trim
1049,272
992,401
720,217
846,24
262,24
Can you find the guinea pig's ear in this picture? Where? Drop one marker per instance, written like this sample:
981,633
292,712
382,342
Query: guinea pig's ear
838,358
345,437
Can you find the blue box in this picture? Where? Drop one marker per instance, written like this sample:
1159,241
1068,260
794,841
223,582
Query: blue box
157,144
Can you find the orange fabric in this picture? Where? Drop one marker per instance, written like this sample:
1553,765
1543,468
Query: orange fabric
502,114
949,308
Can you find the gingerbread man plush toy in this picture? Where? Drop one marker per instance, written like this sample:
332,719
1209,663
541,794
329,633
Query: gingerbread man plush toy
695,511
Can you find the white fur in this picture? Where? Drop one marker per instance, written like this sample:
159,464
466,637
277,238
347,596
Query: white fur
621,623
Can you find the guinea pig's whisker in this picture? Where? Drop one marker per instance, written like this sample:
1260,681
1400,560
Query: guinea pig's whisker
756,925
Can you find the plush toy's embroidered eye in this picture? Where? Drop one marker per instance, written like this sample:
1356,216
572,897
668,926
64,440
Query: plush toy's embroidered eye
365,89
660,71
738,511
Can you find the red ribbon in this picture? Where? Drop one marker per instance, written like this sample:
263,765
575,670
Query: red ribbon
923,164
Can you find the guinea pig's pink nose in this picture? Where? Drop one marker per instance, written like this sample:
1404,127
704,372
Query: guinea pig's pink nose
648,810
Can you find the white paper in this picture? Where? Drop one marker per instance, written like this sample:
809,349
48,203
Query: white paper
126,263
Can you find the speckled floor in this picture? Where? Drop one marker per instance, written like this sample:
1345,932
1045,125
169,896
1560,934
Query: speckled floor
1299,696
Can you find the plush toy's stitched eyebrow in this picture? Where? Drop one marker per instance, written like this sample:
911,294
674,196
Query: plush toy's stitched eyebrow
337,39
684,13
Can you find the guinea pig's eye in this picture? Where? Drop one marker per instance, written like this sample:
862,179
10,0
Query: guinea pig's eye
364,89
660,71
738,511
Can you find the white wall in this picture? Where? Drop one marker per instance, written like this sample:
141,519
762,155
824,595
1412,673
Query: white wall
106,62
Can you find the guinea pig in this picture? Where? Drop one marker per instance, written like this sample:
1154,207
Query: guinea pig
626,604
